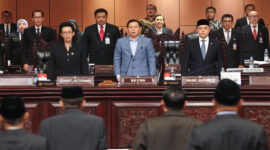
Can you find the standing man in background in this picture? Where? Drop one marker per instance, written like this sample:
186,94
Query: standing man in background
7,26
213,22
100,39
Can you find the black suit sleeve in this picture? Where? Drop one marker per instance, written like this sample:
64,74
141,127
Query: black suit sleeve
84,63
86,41
220,56
185,59
1,59
266,38
51,65
194,142
140,142
26,48
262,140
261,22
237,24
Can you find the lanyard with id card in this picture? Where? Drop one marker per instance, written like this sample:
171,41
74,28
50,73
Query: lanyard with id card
260,38
234,44
107,39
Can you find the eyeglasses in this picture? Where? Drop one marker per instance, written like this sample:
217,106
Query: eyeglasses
254,16
227,21
67,33
38,17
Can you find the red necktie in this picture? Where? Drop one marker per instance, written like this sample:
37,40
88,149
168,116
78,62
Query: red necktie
254,32
101,33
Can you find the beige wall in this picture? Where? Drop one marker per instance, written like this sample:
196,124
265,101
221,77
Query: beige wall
183,13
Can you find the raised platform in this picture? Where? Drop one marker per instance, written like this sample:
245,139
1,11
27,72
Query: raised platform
123,109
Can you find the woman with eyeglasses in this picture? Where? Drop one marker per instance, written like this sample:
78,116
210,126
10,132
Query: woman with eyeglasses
67,58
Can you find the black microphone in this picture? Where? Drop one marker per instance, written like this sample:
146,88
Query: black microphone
203,68
131,57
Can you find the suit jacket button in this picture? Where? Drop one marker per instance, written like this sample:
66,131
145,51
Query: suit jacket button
133,67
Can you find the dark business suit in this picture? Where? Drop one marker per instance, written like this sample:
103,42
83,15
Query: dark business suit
243,21
170,131
253,47
62,62
74,130
228,132
29,36
99,52
164,30
1,59
20,139
192,59
12,30
234,57
15,50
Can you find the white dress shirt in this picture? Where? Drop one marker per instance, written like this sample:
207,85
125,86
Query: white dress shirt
39,29
159,32
206,42
104,27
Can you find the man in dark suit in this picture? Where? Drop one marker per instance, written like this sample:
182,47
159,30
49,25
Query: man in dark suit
13,117
38,30
230,39
74,129
7,26
100,39
228,131
1,59
159,27
203,55
171,130
244,20
256,38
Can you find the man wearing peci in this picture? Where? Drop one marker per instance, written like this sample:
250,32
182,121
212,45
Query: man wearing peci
203,55
100,39
134,54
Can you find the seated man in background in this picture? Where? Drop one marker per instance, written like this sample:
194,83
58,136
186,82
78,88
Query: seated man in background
228,131
134,54
13,117
203,55
159,25
171,130
233,49
74,130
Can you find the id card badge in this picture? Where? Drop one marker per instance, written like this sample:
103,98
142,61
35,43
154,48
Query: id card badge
234,46
107,40
261,40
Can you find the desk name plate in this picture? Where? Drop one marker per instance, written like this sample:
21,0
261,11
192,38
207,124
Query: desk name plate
138,81
85,81
200,80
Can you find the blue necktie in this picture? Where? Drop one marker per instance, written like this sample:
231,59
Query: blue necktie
203,49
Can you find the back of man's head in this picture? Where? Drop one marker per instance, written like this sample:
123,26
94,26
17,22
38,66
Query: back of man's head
12,109
72,97
174,98
227,93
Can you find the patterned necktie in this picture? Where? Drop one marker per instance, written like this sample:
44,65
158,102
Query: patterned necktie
38,31
7,30
254,32
203,49
101,33
228,37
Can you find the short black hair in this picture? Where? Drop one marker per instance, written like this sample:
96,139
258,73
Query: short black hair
151,5
33,13
66,24
6,12
134,20
158,15
206,10
227,93
248,5
227,16
174,98
100,10
12,109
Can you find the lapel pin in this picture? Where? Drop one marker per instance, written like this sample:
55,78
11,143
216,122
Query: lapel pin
72,53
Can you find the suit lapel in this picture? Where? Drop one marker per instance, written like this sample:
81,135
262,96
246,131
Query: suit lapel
139,46
33,31
209,50
97,33
128,45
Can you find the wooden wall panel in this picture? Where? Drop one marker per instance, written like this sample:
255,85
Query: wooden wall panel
188,29
89,7
25,8
170,9
9,5
71,11
232,7
192,10
129,9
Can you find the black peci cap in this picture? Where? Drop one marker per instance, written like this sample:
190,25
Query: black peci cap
12,107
